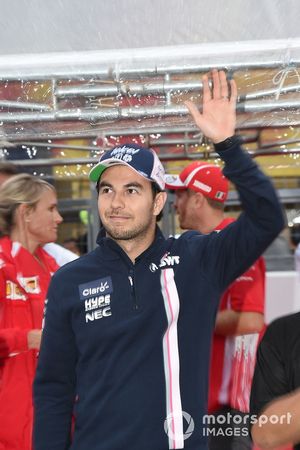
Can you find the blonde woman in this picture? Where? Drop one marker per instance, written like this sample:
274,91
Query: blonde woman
28,219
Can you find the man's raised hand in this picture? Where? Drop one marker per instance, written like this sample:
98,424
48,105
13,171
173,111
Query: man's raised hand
218,118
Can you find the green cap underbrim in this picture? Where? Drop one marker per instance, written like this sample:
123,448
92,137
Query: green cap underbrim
96,172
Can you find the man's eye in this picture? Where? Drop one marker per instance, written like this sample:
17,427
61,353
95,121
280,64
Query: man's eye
132,191
105,190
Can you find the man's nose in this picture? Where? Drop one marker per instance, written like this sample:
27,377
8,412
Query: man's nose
117,200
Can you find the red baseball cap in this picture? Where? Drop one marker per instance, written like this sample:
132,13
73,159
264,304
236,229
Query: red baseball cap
201,177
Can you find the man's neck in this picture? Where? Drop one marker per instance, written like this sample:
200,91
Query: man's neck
136,246
210,222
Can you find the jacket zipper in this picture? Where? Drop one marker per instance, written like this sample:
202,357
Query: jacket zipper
132,290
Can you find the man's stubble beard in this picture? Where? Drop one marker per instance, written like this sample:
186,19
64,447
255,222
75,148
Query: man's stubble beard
138,232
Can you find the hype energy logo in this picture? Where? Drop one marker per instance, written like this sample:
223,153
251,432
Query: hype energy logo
97,297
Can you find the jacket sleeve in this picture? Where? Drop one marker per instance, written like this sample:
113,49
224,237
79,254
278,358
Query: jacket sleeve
54,385
12,340
225,255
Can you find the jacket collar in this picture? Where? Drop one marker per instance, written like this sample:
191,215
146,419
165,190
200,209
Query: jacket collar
112,251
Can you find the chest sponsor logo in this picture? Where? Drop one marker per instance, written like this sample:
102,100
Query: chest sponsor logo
96,287
97,297
13,291
166,261
30,284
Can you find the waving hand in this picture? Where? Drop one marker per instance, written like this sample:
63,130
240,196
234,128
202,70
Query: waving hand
218,118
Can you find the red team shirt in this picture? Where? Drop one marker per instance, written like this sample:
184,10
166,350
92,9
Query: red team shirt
23,287
233,357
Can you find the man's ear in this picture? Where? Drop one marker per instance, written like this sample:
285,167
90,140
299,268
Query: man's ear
159,202
199,199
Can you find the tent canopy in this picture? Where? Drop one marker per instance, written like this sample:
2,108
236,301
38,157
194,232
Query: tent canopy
41,26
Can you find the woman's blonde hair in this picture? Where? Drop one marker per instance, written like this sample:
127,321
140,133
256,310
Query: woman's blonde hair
18,190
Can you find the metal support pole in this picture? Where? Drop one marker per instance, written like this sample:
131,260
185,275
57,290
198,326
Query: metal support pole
142,112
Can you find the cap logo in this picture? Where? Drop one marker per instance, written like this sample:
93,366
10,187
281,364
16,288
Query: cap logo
170,178
202,186
220,195
124,153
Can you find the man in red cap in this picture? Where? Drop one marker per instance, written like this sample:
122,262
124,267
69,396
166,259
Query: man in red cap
200,192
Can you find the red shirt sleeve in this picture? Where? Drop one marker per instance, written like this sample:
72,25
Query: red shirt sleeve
247,293
12,340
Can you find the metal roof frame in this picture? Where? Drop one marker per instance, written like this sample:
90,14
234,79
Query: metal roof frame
140,92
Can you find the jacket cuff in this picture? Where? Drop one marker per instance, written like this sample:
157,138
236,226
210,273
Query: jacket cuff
228,143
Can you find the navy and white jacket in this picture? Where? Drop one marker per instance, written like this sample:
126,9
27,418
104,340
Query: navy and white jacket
126,346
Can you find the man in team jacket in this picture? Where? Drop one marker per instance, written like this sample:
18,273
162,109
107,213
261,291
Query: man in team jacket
128,327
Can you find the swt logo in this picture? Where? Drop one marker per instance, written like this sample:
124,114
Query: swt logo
166,261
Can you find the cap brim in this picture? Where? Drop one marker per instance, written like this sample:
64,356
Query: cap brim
98,169
96,172
174,182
